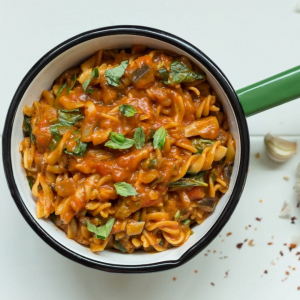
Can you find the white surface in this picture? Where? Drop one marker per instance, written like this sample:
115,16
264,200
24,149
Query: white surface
249,40
44,80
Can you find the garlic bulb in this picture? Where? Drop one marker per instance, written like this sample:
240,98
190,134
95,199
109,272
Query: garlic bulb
279,149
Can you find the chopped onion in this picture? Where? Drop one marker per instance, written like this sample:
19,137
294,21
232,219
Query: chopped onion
278,149
285,211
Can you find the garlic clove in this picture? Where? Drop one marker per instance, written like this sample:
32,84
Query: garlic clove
278,149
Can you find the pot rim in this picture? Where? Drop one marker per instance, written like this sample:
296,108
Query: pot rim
207,63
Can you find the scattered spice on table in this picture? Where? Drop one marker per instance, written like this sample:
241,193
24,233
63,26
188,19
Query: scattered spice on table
174,278
281,253
257,155
270,243
250,243
229,233
261,200
196,271
258,219
239,246
266,271
287,272
292,246
293,219
286,178
226,274
212,284
298,288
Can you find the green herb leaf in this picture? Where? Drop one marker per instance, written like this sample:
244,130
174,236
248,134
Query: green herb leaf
119,141
74,79
164,75
128,110
177,215
31,181
152,163
61,89
28,129
90,90
186,222
94,74
181,73
79,150
161,243
200,144
69,117
113,75
119,246
139,138
186,182
125,189
101,232
159,138
54,131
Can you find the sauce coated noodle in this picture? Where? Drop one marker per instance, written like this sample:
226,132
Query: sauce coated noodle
128,150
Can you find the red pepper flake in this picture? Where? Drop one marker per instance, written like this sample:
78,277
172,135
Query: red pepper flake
298,253
212,284
270,243
266,272
292,246
298,204
245,240
215,251
258,219
174,278
196,271
293,220
208,250
287,273
229,233
294,269
239,246
281,253
226,274
298,288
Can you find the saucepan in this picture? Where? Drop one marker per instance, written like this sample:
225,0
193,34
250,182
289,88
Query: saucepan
237,104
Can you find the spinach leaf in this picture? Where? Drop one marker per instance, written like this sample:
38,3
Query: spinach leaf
125,189
79,150
28,128
119,141
119,246
61,89
186,182
139,138
113,75
69,117
101,232
181,73
31,181
72,85
128,110
159,138
94,74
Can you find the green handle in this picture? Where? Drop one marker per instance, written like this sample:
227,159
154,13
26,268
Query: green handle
270,92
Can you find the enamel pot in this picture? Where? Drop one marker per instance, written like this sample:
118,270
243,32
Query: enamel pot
237,105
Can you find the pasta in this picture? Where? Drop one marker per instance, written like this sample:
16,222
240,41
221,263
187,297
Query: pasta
128,151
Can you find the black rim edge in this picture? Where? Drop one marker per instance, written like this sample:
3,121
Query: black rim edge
226,86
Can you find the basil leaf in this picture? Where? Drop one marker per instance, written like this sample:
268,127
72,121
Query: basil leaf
69,117
94,74
200,144
79,150
101,232
128,110
177,215
31,181
119,246
28,128
54,131
181,73
125,189
186,221
159,138
113,75
164,75
152,163
61,89
139,138
119,141
72,85
186,182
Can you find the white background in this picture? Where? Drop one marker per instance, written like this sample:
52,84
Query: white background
249,40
